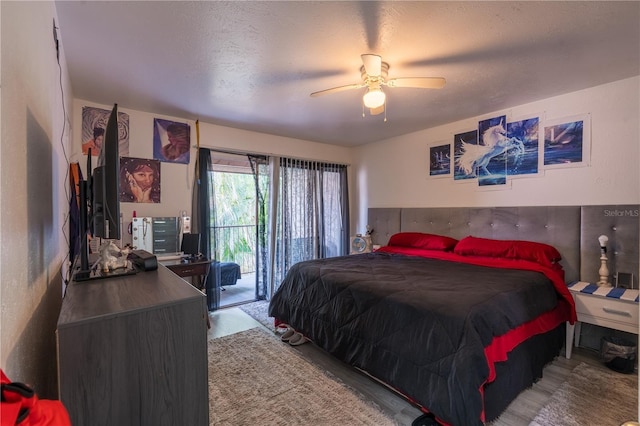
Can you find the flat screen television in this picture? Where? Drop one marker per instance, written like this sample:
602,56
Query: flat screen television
106,184
100,202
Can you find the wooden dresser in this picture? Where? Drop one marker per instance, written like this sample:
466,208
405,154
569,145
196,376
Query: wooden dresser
132,350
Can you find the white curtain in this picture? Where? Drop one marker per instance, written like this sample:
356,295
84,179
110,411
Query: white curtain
311,214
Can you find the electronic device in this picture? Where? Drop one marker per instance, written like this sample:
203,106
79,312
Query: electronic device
361,244
624,280
191,245
144,260
100,202
106,184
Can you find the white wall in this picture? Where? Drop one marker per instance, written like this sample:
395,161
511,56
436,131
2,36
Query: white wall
33,201
393,173
177,179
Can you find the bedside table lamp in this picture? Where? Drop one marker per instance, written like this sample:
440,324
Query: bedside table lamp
604,270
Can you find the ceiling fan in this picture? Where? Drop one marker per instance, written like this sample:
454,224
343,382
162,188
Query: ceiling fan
374,75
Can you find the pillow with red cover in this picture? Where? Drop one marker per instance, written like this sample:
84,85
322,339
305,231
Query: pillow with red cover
541,253
422,241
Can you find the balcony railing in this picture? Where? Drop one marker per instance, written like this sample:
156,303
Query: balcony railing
236,243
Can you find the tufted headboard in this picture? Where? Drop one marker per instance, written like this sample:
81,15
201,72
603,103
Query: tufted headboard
620,224
559,226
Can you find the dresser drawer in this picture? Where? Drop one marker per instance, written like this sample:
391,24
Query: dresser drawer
190,269
607,312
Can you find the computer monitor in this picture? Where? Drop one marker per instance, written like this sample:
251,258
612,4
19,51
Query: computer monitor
191,244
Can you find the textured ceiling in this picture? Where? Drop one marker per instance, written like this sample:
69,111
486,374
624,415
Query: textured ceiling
252,65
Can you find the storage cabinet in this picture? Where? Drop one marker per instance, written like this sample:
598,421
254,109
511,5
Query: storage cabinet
166,235
157,235
133,351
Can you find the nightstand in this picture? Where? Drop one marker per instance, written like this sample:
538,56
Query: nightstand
610,307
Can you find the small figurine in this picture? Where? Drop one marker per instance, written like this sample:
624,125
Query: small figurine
112,257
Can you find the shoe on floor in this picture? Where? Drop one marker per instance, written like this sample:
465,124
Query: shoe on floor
282,328
297,339
287,335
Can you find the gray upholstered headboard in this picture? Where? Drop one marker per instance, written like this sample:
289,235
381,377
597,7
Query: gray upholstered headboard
620,224
559,226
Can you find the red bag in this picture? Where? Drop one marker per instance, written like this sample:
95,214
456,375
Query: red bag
20,406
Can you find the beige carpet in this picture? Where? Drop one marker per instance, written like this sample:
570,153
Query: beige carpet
255,379
591,396
260,312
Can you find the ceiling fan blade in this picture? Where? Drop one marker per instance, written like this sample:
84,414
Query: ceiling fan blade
337,89
372,64
376,111
418,82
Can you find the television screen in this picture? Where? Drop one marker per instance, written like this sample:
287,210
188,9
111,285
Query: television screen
106,184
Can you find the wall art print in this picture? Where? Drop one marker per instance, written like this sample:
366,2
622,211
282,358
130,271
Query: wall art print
440,160
567,142
498,151
94,123
171,141
487,160
524,162
139,180
460,143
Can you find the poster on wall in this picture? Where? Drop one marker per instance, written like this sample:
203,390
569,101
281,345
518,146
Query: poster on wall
488,159
463,142
171,141
567,142
94,123
139,180
440,160
523,159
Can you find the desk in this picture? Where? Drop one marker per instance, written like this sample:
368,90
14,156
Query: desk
609,307
196,269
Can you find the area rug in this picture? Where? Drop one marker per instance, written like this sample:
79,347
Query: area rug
260,312
591,396
255,379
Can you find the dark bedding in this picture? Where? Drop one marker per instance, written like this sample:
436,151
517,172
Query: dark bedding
420,325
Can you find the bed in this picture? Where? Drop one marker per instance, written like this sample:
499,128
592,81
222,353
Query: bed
459,311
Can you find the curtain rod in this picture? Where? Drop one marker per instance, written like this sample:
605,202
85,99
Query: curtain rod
267,154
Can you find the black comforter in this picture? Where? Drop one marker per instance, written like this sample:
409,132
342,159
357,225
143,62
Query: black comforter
419,325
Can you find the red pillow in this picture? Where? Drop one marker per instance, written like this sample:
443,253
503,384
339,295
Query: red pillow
541,253
422,241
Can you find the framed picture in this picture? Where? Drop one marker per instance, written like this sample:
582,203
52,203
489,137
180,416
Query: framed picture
440,160
567,142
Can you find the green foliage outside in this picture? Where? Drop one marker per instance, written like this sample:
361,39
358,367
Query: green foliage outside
235,219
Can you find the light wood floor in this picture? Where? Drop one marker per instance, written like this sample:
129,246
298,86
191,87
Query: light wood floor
521,411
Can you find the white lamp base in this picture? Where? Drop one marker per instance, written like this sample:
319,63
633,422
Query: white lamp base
604,272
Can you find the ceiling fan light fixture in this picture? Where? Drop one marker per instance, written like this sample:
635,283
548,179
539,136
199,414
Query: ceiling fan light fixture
374,98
